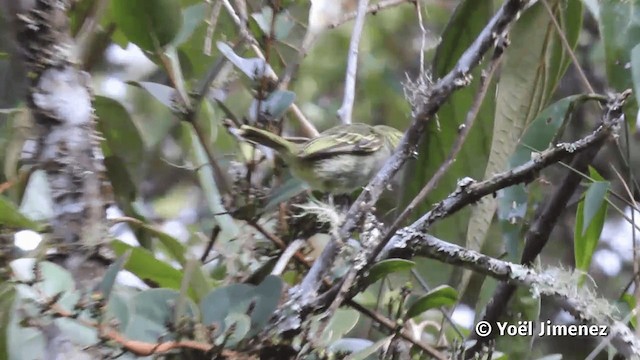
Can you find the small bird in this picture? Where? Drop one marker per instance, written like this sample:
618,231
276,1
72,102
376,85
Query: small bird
337,161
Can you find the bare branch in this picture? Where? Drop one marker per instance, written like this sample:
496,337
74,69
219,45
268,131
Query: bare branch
346,110
371,9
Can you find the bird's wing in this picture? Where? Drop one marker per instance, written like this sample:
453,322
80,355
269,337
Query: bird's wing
359,139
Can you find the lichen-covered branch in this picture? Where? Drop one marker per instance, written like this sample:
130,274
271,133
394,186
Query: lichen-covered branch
60,101
556,283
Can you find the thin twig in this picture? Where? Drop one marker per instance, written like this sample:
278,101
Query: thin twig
381,5
290,252
346,110
423,35
212,239
212,22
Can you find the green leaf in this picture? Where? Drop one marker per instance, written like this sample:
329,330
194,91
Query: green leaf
122,137
533,64
343,321
619,23
369,351
241,323
387,267
12,218
630,301
210,188
150,24
291,187
350,345
192,16
222,301
143,264
254,68
443,295
513,201
273,107
118,310
590,217
267,296
106,285
239,298
7,296
162,93
282,26
635,73
152,310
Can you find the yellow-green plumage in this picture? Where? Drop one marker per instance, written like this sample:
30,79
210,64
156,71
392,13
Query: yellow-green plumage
339,160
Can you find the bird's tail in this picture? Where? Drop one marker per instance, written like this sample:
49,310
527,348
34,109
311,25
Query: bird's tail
268,139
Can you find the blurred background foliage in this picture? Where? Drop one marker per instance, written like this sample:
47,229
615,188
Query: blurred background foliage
176,203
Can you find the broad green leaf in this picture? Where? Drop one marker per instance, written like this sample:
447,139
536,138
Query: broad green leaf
594,199
369,352
533,64
267,296
619,23
150,24
240,323
118,309
109,278
122,137
192,16
282,26
273,107
387,267
216,305
7,295
291,187
210,188
635,71
513,201
590,217
152,310
160,92
443,295
340,324
630,301
259,302
143,264
349,345
254,68
11,217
